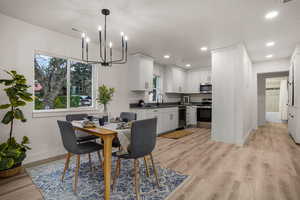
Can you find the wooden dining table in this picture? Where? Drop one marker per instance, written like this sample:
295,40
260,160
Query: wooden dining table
107,136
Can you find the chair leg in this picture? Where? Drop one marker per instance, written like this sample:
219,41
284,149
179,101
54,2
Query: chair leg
90,162
154,170
66,166
136,179
147,167
76,173
117,173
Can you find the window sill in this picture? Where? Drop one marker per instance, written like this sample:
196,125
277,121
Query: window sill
64,112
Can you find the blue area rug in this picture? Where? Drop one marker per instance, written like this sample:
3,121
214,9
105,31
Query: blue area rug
91,185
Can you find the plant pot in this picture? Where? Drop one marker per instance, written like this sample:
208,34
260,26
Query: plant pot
11,172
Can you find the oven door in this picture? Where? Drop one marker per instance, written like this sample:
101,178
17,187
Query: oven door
204,114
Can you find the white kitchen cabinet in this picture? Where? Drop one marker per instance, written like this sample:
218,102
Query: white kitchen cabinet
195,77
155,113
140,72
191,115
167,118
173,120
175,80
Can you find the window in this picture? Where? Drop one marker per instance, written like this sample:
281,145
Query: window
62,83
80,84
154,94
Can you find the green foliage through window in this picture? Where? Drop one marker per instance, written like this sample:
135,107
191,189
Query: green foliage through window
51,83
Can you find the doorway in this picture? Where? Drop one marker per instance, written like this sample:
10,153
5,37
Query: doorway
276,99
272,97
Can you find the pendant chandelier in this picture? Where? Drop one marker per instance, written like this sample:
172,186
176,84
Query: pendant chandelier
104,58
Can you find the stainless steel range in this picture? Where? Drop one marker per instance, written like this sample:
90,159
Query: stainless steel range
204,110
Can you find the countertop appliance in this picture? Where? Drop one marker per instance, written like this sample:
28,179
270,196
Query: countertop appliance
206,88
141,103
185,100
181,117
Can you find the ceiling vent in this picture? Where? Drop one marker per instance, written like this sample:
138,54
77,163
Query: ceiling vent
285,1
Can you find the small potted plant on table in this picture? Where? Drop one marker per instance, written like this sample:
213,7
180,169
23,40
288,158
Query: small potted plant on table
105,96
12,153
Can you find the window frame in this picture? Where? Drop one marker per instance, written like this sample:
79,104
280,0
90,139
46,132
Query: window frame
157,89
93,107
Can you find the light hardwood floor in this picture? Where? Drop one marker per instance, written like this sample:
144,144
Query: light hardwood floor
267,167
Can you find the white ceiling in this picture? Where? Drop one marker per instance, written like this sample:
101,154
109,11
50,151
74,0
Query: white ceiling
174,27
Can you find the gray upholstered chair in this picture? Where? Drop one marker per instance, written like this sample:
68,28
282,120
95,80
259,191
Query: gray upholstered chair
81,136
128,116
125,117
73,147
143,140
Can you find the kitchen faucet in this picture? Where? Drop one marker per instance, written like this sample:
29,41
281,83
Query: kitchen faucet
161,95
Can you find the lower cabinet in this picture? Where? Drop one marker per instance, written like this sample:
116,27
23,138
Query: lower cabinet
167,118
191,115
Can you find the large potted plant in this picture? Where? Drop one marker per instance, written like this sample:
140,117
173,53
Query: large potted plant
105,96
12,153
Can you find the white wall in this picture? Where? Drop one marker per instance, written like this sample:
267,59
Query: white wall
19,41
233,88
262,70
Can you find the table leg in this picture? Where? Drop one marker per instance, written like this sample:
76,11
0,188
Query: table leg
107,164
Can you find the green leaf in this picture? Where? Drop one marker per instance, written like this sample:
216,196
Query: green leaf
8,117
4,106
25,140
19,114
6,163
4,80
3,147
21,103
25,96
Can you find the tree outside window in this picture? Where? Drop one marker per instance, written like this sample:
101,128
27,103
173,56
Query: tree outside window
52,82
154,94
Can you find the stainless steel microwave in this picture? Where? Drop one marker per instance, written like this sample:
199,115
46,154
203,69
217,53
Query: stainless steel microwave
206,88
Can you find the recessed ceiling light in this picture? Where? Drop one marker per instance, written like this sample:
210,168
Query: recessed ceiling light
269,56
204,48
188,65
272,14
270,44
166,56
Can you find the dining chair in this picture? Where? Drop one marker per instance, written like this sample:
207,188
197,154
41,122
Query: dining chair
82,136
73,147
142,143
128,116
125,117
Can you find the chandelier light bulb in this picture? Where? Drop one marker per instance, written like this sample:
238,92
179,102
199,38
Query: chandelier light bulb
110,44
122,33
83,35
99,28
126,38
87,39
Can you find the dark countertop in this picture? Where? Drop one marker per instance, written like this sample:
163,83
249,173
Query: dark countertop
164,105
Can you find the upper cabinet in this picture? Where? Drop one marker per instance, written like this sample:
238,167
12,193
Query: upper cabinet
175,80
195,77
140,72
